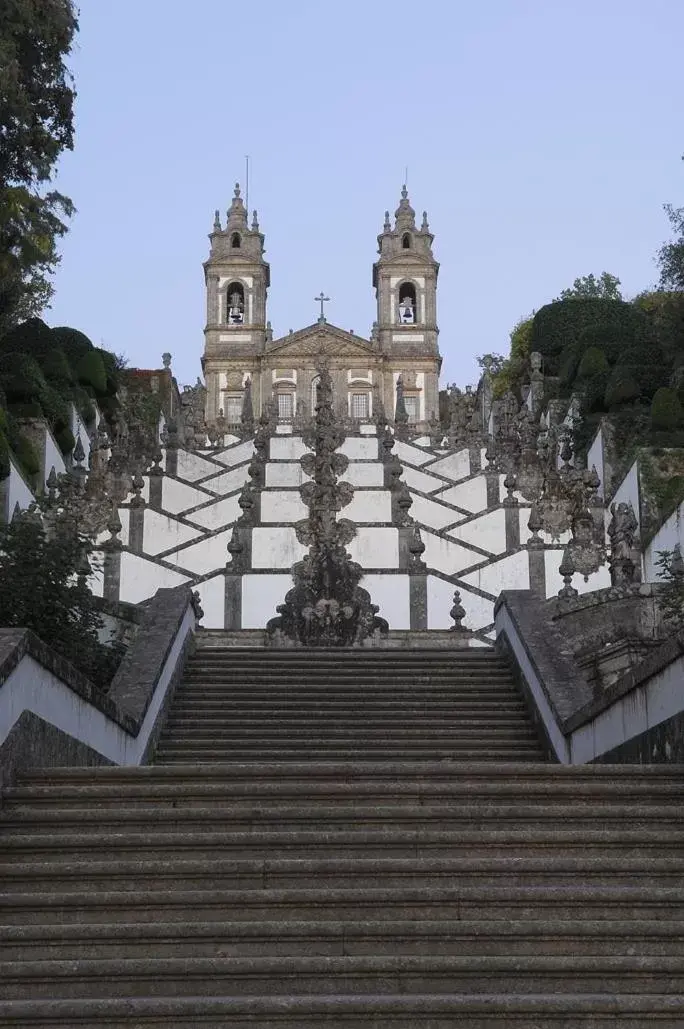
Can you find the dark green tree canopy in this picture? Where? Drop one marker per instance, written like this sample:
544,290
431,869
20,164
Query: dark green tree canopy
36,126
605,287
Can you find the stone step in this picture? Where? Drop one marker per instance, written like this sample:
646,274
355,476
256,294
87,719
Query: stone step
280,657
294,721
485,1010
348,683
187,791
662,779
250,814
320,731
259,708
400,842
603,869
329,938
285,976
184,753
491,902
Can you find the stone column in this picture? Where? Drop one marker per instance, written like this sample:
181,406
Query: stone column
536,555
512,514
232,614
112,559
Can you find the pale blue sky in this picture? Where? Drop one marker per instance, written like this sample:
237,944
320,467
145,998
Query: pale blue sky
542,136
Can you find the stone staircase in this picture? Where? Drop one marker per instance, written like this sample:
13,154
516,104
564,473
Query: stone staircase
366,839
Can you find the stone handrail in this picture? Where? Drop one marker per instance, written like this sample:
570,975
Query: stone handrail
51,714
639,718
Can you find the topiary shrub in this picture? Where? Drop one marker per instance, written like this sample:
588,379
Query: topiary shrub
75,344
90,371
4,456
593,362
27,456
83,404
622,388
31,410
21,378
65,440
112,370
55,408
56,368
582,322
666,410
592,376
32,337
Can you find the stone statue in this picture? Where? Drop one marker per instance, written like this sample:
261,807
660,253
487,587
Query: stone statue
622,530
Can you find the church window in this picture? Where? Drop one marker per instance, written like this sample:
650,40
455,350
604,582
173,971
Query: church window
359,405
232,408
406,241
407,304
411,404
235,241
235,303
285,407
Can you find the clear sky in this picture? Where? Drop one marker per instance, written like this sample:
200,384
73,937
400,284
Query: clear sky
542,136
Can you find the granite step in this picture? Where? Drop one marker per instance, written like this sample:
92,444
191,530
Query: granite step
486,1010
330,938
183,754
491,902
153,872
287,976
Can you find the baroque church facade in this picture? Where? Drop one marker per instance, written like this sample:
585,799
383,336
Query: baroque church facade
241,355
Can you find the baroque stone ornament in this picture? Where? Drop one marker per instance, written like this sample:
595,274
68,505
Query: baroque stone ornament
326,606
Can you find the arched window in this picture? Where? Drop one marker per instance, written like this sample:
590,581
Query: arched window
235,303
235,241
406,241
408,309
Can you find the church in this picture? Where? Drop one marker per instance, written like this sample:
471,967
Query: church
403,343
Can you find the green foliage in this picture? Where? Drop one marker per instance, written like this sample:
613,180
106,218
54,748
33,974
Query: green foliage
56,368
55,408
492,363
113,366
623,387
606,287
44,588
671,596
65,439
21,378
74,343
36,126
4,457
593,362
574,325
32,337
671,255
27,457
666,410
514,368
90,371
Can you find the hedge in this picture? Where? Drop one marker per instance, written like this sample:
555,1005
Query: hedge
563,324
666,410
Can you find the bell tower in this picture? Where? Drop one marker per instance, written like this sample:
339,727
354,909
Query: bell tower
405,281
237,279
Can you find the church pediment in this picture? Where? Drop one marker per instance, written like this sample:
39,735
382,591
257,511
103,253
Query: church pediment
325,340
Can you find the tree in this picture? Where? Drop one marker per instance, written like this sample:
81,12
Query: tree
45,563
606,287
491,363
36,126
670,257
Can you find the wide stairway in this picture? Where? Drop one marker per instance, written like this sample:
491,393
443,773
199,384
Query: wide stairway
341,840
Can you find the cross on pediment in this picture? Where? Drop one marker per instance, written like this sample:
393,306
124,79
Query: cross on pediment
322,299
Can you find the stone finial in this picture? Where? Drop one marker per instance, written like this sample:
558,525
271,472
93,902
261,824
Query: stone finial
457,613
114,528
166,359
235,549
424,224
52,483
387,227
416,550
404,216
677,562
217,220
510,483
535,525
567,570
137,486
255,222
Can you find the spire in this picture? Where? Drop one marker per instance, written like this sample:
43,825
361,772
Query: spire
237,215
405,216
